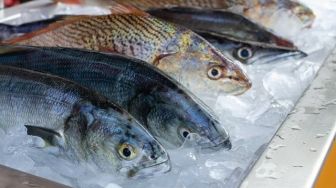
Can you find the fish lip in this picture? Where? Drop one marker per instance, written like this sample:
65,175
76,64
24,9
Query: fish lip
140,173
243,87
211,147
247,85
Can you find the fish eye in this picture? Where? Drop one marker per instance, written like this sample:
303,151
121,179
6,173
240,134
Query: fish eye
215,72
184,133
127,151
244,53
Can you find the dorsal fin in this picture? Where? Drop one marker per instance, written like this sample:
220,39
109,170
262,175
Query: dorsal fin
76,2
119,8
64,20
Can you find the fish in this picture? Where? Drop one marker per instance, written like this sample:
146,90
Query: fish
82,123
178,51
223,24
260,11
170,112
232,34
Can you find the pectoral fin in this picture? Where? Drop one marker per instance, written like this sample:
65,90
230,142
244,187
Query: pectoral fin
107,50
157,59
48,135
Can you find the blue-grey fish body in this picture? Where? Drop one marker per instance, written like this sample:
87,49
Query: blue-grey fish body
222,24
164,107
83,123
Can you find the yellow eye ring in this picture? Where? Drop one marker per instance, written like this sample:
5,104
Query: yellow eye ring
215,73
127,151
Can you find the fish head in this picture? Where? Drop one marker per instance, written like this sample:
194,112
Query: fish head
200,66
203,131
249,54
117,142
181,118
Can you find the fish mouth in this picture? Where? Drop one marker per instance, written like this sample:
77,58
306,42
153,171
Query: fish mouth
161,167
276,56
237,87
216,145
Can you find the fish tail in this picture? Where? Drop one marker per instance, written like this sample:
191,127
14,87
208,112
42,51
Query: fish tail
10,31
44,28
6,31
10,49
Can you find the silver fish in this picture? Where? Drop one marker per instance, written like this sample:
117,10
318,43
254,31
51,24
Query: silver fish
85,125
162,105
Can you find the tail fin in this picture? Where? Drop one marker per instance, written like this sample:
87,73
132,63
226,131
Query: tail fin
6,31
43,28
12,49
11,31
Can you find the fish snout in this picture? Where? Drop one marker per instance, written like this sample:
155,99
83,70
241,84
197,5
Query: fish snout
216,145
159,165
299,54
240,82
245,82
161,159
